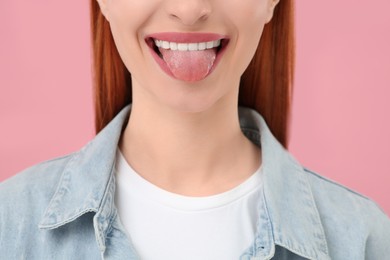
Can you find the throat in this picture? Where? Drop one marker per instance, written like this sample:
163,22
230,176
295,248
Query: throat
192,167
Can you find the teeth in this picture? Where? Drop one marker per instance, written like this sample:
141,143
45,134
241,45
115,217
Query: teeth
202,46
173,46
193,47
182,46
209,45
165,45
187,46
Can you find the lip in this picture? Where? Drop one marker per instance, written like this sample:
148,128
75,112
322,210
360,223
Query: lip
185,38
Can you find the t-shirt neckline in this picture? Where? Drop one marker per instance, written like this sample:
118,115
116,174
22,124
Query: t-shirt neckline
128,178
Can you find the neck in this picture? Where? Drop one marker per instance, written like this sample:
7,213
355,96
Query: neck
189,153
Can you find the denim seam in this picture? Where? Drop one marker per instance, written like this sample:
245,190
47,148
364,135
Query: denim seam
335,183
102,233
297,252
269,223
322,234
57,196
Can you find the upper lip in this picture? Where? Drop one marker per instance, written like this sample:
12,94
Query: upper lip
186,37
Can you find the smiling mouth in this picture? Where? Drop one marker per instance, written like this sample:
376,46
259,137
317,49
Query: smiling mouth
187,59
156,45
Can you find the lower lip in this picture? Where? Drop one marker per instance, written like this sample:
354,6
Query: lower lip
166,69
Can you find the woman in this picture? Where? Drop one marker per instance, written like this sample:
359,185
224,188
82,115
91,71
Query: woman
195,168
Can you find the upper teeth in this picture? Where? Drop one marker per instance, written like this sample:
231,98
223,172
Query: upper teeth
199,46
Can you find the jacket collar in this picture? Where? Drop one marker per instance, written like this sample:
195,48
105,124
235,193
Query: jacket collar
288,214
87,183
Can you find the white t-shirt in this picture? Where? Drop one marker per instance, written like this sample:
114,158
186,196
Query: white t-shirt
164,225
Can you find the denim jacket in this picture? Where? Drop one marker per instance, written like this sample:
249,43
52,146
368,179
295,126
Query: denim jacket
64,208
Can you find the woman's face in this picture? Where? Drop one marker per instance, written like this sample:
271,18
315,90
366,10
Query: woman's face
187,54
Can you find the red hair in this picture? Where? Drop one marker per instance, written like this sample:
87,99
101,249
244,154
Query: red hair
265,86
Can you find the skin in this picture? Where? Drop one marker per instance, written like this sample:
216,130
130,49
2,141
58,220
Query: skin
185,137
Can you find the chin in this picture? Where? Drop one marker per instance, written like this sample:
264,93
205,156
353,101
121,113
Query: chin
191,98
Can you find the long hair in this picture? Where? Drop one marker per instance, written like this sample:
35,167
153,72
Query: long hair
265,86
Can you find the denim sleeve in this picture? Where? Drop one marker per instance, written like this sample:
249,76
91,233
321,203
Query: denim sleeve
378,241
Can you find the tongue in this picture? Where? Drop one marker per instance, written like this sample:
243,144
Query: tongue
189,65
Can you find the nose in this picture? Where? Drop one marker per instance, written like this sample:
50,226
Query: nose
189,12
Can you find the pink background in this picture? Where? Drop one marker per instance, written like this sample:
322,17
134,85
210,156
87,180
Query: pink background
340,123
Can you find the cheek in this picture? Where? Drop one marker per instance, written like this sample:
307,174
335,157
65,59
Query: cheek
245,11
248,21
126,18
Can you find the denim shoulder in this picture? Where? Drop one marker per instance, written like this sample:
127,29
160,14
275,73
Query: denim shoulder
24,198
349,216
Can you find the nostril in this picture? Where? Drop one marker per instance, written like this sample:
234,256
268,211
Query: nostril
204,17
174,16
